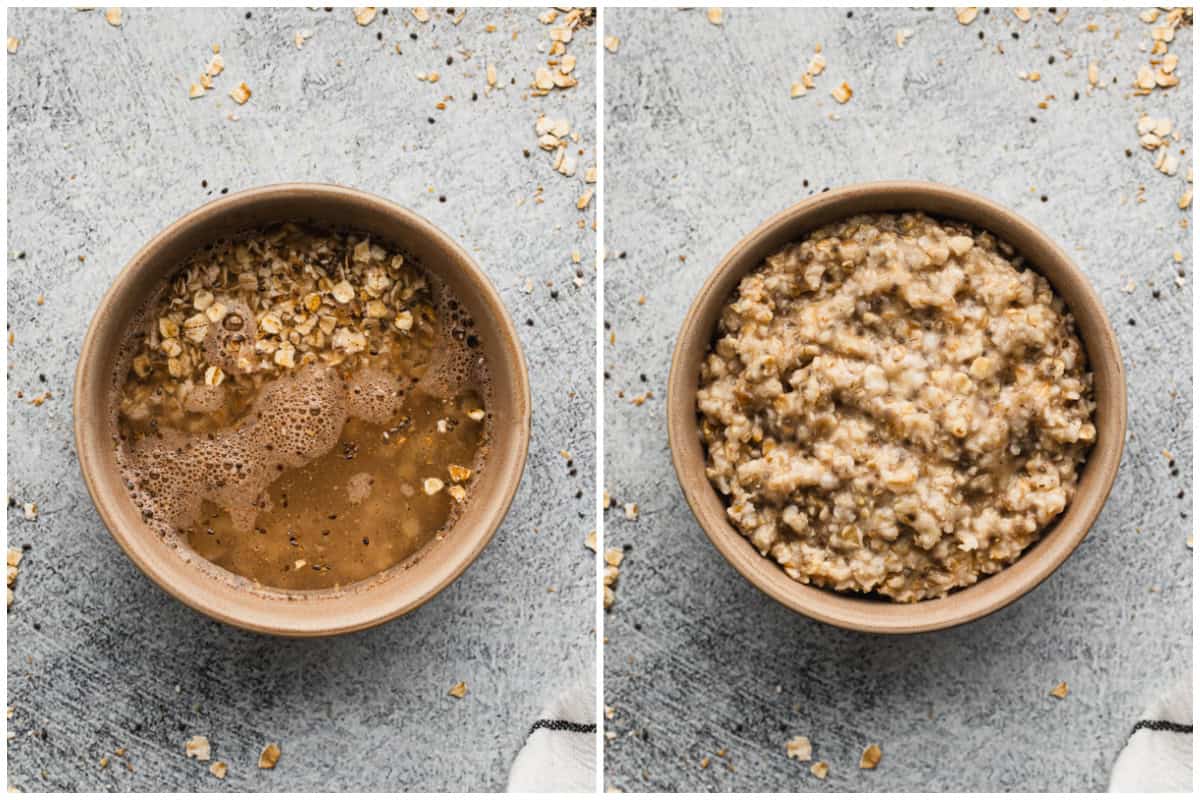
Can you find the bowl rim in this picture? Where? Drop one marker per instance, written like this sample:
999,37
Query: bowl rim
992,593
355,608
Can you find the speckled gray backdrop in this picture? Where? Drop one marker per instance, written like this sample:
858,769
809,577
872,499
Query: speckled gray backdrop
105,149
702,144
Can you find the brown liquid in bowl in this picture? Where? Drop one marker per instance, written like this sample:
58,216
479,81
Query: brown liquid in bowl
320,467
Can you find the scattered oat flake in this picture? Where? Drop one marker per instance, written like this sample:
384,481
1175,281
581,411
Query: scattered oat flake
459,690
198,748
1186,199
611,44
195,90
716,15
31,511
821,769
870,757
113,16
589,541
422,14
364,15
14,556
301,37
584,200
843,93
13,44
902,36
240,93
219,769
1060,691
798,90
799,748
631,511
491,74
1022,14
269,756
965,15
1093,73
613,556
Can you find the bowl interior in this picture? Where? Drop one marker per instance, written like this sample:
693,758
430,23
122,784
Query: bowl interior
992,593
395,591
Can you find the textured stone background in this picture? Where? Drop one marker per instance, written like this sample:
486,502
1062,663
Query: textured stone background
702,144
104,150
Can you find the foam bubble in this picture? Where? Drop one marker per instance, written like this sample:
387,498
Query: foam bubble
204,399
374,395
458,363
296,419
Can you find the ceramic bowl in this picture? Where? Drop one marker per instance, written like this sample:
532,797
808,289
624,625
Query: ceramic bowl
860,612
393,592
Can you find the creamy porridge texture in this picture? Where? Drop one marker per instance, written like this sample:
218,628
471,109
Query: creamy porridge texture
895,405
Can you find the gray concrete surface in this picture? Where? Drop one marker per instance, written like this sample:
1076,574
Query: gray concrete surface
104,150
703,143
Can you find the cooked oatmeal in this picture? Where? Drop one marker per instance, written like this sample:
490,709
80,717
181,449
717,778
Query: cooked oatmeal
302,408
895,405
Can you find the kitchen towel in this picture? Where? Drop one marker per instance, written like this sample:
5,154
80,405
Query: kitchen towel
1158,754
560,750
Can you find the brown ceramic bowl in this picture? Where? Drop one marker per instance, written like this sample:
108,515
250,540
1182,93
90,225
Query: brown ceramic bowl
392,592
858,612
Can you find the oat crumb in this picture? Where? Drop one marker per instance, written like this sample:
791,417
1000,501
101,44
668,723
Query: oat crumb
240,93
198,748
269,756
458,690
870,757
799,748
1060,691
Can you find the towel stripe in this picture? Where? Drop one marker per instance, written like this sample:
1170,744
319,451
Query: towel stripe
563,725
1160,725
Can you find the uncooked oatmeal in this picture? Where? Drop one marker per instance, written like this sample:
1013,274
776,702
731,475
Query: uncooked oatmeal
302,408
895,405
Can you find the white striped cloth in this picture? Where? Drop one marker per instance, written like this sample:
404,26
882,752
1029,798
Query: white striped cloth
560,751
1158,755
